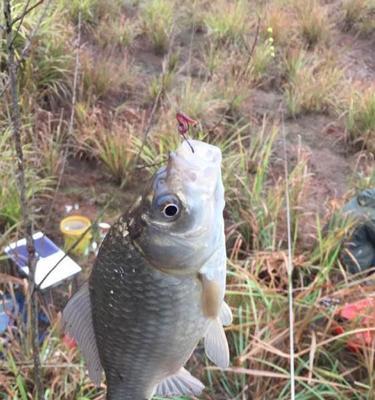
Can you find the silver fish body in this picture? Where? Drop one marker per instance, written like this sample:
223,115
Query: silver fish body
158,319
158,284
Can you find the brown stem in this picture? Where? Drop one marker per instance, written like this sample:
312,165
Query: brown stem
15,122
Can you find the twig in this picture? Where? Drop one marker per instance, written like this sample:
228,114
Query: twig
27,11
289,268
26,217
23,15
239,78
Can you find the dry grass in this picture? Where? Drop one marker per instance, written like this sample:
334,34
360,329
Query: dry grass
157,18
106,76
359,16
360,120
313,84
228,21
313,23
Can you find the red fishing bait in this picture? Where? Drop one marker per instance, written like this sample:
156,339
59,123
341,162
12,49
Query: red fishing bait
183,125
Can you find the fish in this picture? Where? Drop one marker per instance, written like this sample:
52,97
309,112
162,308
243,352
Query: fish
157,285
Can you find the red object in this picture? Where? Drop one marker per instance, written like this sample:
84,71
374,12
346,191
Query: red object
362,312
184,122
69,342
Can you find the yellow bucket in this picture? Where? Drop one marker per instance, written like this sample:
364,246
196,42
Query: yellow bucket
72,228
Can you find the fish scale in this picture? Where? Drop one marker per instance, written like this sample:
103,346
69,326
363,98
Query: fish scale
158,318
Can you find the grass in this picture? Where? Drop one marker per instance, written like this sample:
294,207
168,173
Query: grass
314,25
157,18
358,16
360,120
114,148
313,85
116,33
228,21
298,65
10,209
105,77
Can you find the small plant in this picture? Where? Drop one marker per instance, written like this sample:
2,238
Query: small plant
157,17
312,85
114,148
263,56
10,208
45,72
359,16
282,21
105,76
119,32
228,21
314,25
360,120
163,83
199,100
92,11
49,141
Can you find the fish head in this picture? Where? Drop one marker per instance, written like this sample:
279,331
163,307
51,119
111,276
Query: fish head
178,224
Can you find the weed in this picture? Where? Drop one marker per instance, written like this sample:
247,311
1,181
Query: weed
48,142
113,146
228,21
157,17
282,21
92,11
314,25
10,209
312,84
360,120
45,72
262,58
199,101
105,76
116,33
359,16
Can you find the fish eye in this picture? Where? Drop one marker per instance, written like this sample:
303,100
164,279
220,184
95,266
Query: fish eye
169,206
170,210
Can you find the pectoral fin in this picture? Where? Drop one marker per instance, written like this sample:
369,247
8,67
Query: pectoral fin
77,322
216,345
211,301
180,384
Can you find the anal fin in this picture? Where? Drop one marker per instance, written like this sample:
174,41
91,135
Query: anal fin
77,322
180,384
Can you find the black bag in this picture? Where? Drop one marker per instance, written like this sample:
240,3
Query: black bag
358,251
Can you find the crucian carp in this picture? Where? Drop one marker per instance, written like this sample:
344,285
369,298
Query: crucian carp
157,286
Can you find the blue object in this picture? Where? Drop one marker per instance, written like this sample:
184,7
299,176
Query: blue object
44,247
53,266
6,307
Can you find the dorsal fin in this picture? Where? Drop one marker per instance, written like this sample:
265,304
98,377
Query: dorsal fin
77,322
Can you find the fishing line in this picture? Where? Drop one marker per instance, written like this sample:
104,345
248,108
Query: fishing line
289,268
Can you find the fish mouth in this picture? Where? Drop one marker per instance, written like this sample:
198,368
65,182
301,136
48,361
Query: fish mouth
199,170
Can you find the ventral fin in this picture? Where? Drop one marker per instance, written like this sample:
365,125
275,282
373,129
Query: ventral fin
216,345
180,384
77,322
225,314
